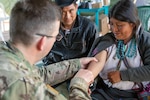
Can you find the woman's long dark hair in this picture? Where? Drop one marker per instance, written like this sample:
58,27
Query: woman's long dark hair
125,10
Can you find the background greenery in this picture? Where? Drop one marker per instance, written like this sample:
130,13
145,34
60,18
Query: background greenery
8,4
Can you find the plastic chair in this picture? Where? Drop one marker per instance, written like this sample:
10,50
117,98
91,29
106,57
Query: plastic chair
148,23
144,15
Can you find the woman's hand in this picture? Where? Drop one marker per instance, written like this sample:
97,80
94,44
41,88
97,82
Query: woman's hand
114,76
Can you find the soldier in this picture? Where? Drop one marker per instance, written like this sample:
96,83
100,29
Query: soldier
34,26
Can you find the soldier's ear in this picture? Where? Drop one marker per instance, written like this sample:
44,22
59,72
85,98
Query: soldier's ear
41,43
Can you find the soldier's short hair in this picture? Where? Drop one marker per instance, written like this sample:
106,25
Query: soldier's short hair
29,17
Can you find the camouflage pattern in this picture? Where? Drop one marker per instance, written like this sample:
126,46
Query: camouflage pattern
78,89
21,81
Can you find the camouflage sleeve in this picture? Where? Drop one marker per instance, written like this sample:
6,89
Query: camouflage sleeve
27,88
59,72
79,89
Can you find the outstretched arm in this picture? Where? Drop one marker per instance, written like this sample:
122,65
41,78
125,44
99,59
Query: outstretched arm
80,83
96,67
61,71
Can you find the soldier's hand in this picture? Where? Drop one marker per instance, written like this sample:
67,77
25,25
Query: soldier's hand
86,60
114,76
86,75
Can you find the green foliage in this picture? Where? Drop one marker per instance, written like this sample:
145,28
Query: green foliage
8,4
112,2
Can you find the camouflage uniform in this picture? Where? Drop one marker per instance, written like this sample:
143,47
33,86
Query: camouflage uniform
21,81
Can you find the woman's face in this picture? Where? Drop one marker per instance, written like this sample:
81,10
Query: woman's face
122,30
